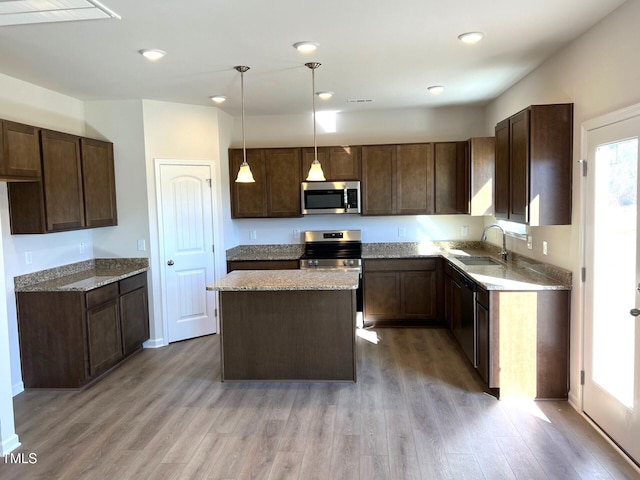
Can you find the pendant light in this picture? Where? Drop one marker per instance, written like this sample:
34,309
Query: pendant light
244,174
315,172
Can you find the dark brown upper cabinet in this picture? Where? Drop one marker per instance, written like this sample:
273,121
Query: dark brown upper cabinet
338,163
397,179
276,191
414,179
99,184
378,188
533,165
481,152
19,152
451,161
59,201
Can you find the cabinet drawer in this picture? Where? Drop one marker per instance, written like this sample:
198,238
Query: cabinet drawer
133,283
482,297
101,295
400,265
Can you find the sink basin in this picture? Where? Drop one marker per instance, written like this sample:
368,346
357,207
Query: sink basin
479,261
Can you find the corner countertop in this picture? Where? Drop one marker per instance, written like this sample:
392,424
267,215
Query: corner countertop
271,280
81,276
519,273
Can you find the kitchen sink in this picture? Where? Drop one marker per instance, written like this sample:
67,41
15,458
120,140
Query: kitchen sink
479,261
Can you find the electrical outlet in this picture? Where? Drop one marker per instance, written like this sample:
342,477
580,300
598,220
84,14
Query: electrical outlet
544,247
464,231
142,245
529,242
296,233
402,232
28,258
253,234
81,247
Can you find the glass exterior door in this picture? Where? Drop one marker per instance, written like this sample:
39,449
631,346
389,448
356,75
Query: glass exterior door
612,345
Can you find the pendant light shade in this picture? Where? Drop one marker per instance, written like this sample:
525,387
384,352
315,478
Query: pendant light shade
315,172
244,174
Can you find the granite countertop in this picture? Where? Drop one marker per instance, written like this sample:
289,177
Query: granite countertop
81,276
265,252
264,280
518,273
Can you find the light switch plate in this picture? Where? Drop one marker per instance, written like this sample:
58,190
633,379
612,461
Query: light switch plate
544,247
142,246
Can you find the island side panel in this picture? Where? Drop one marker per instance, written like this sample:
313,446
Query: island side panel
288,335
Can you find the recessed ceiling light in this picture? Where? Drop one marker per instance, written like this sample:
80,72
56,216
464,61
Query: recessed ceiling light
218,98
324,95
153,54
305,47
436,89
471,37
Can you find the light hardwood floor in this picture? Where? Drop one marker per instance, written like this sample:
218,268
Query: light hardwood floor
416,412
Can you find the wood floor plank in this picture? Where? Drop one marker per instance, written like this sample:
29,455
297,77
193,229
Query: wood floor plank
417,412
345,459
286,466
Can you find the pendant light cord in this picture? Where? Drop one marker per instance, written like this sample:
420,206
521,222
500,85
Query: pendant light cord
242,69
313,66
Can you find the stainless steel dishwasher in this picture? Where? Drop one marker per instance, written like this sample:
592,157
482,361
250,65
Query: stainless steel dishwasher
468,324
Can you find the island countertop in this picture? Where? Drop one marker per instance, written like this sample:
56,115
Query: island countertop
268,280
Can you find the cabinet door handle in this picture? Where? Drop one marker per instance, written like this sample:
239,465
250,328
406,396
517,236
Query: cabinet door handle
170,262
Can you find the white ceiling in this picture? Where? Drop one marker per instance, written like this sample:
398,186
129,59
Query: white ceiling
387,51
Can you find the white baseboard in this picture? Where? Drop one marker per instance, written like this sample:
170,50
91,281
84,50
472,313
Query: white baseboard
154,343
9,445
17,388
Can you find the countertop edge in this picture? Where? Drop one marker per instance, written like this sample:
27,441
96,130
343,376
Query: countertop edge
81,276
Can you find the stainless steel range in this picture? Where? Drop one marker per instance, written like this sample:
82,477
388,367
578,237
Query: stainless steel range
335,250
339,250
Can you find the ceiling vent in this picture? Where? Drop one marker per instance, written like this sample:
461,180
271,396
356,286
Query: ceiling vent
360,100
22,12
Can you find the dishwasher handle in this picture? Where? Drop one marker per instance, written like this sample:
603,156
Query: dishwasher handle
470,284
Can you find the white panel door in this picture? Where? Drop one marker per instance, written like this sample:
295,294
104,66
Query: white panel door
187,229
612,289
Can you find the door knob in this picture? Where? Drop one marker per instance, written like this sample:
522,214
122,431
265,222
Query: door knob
170,262
635,312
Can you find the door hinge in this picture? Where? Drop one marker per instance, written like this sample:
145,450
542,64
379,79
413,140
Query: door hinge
215,312
581,377
584,167
213,248
209,182
583,274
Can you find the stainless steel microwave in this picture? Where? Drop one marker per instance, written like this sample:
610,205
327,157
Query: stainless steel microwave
330,197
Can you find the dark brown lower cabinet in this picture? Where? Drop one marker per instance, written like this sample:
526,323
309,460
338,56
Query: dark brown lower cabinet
521,337
70,338
400,292
262,265
482,333
104,336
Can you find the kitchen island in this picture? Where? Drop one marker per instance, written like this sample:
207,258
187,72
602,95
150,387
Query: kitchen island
288,325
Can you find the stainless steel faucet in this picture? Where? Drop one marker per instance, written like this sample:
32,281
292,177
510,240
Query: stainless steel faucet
503,253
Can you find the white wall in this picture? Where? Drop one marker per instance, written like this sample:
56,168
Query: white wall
599,73
181,132
366,126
